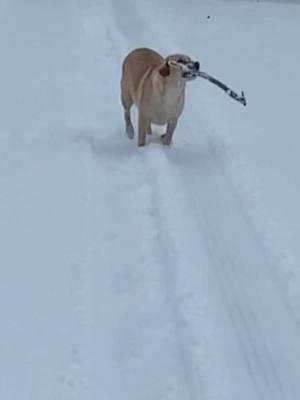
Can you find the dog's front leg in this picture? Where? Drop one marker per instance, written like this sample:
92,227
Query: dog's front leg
144,125
167,137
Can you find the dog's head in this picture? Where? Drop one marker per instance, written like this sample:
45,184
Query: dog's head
180,66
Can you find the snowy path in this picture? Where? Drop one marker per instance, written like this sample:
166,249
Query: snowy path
143,278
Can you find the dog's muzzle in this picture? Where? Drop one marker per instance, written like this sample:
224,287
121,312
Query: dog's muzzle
190,70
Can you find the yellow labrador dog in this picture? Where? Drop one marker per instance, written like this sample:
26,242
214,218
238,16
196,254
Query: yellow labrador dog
157,87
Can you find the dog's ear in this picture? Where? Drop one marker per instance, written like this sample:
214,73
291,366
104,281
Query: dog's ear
165,69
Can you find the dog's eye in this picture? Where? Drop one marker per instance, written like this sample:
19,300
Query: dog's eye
181,60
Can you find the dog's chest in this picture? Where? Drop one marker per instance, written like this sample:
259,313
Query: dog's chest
166,107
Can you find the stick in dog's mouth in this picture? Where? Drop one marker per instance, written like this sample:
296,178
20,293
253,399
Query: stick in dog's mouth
189,69
238,97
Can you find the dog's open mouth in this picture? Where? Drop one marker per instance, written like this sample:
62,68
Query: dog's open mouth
190,75
190,70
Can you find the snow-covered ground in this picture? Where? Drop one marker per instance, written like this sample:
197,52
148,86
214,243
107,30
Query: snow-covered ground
154,273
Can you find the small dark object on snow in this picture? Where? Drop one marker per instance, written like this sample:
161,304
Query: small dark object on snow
208,17
238,97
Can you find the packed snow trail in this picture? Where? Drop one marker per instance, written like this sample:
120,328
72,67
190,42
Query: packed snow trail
140,275
137,339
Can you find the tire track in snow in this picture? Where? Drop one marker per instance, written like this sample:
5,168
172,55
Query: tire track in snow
186,285
154,161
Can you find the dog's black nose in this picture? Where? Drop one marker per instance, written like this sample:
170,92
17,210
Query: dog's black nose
197,65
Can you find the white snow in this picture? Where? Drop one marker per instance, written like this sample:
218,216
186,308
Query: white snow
149,273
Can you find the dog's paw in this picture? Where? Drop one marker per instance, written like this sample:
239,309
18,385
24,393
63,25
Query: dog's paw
165,140
130,132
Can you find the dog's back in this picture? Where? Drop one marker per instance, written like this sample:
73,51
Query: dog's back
135,66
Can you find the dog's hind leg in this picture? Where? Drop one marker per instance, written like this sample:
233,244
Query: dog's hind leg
127,104
167,137
144,125
129,126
